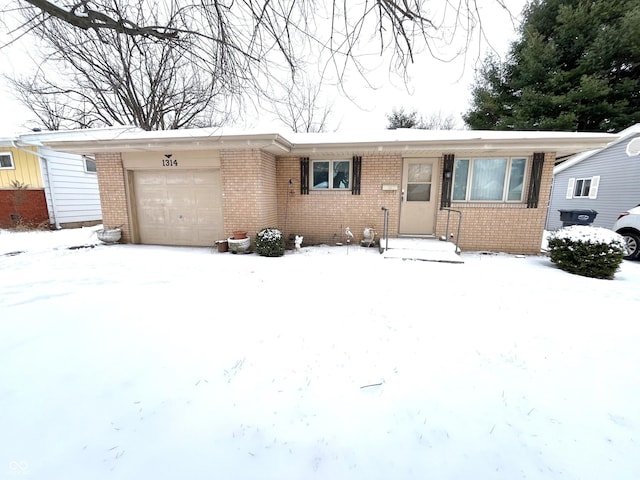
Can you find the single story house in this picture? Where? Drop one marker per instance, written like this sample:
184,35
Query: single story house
193,187
606,180
42,186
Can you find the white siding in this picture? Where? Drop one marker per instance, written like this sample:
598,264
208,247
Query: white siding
618,186
71,191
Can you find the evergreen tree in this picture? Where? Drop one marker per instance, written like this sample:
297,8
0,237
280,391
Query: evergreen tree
575,67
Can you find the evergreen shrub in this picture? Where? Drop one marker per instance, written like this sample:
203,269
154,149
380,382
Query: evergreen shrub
269,242
588,251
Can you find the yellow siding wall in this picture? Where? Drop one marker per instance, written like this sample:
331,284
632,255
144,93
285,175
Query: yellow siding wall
26,171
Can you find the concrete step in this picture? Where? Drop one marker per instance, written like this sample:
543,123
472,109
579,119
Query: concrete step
426,249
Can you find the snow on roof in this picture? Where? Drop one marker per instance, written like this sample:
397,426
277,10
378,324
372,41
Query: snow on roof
345,136
623,136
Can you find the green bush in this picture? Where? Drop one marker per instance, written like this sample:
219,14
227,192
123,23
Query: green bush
588,251
269,242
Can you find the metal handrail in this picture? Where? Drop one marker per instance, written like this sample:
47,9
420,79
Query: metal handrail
385,231
449,210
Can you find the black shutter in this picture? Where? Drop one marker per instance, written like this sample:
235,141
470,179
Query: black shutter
535,180
447,181
356,165
304,176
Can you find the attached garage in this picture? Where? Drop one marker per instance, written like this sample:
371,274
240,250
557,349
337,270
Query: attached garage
177,205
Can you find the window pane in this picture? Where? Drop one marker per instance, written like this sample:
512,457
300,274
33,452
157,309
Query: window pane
418,192
487,181
5,161
320,174
578,190
461,173
586,187
516,179
341,174
90,165
419,172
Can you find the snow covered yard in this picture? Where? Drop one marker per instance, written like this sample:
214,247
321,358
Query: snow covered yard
123,362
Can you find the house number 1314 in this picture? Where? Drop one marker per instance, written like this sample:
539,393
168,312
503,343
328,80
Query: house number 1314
169,162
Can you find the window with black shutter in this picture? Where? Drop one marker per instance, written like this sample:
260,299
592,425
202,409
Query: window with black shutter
447,181
357,169
304,176
535,180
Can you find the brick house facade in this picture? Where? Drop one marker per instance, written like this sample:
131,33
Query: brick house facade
261,182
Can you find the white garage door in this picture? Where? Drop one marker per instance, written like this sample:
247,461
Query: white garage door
181,207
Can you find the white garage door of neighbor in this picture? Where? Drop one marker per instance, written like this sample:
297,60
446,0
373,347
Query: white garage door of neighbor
181,207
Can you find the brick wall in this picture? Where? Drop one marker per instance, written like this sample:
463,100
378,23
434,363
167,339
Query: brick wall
501,227
249,196
113,196
256,194
26,207
322,216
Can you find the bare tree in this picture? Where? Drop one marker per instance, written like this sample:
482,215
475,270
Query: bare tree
399,118
254,33
438,121
242,45
96,78
301,107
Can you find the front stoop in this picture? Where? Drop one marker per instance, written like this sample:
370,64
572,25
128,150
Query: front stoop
429,250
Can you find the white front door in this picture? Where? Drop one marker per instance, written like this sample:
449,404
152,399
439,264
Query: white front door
418,208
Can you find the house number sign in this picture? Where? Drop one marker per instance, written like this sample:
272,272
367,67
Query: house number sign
168,161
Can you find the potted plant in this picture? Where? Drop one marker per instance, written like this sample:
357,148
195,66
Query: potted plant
110,234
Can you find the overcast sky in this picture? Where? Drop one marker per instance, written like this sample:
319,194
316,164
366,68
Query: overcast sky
434,86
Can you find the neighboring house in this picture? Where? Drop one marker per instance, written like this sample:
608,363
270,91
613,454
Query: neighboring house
39,185
606,180
193,187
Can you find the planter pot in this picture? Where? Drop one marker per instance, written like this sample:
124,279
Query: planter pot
239,235
109,235
239,245
223,246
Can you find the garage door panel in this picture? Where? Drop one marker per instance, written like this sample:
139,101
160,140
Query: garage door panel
179,207
206,198
182,178
181,197
179,217
152,216
150,197
151,178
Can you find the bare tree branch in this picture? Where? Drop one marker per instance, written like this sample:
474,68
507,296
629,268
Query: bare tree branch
81,15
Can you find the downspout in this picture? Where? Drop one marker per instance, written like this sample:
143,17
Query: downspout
54,210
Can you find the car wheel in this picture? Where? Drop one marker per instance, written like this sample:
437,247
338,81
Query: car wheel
633,245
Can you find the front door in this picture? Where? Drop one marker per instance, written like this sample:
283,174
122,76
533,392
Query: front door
418,208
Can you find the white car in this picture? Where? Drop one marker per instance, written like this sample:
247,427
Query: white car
628,225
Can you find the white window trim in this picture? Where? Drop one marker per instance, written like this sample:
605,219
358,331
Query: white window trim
86,158
330,177
505,187
13,165
593,187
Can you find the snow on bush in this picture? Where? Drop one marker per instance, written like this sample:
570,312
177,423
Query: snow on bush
588,251
269,242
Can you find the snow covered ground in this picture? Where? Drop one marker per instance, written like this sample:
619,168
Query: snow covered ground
131,362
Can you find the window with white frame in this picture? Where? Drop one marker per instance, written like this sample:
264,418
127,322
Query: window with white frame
331,174
583,187
489,179
6,160
89,164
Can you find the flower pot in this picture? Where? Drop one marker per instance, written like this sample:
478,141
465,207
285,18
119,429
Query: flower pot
109,235
239,234
223,246
239,245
